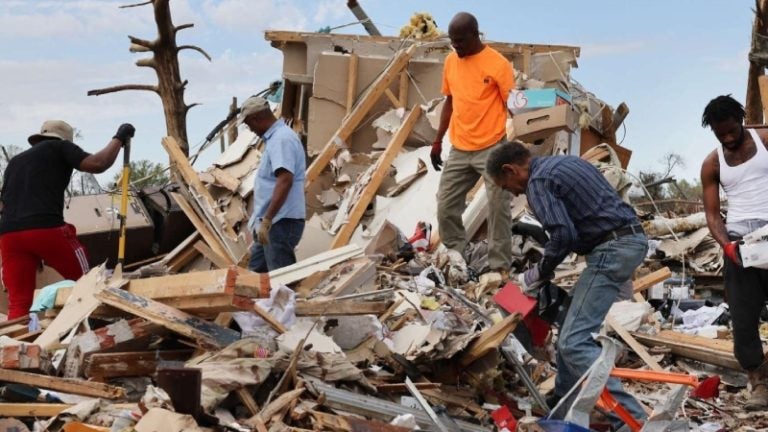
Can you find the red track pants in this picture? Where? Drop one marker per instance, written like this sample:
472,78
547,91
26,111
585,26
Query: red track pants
23,251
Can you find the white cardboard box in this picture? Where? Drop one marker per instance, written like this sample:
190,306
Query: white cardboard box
755,254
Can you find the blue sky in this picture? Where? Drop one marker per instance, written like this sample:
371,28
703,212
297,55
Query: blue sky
665,59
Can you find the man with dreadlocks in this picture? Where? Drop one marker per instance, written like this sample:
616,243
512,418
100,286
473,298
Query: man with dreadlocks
740,166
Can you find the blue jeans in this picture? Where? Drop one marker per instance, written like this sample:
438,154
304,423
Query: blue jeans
283,238
609,266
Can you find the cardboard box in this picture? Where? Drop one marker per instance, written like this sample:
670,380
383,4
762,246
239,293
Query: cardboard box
520,101
540,124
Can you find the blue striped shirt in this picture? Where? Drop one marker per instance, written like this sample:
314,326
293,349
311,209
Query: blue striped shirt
575,204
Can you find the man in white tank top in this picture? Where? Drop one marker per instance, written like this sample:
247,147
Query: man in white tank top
740,166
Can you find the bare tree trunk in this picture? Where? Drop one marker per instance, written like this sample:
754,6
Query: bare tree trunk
753,104
165,62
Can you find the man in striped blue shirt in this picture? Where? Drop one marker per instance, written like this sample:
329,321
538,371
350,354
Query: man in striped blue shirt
582,213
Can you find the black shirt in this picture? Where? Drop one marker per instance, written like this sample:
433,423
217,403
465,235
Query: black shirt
34,183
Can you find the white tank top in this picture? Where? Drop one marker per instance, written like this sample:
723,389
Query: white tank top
746,185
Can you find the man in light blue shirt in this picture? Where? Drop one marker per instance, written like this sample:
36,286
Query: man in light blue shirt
279,210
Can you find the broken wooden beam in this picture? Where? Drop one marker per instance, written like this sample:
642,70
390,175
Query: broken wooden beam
643,283
334,307
379,171
336,423
206,334
45,409
490,339
66,385
78,306
713,351
212,283
358,113
103,366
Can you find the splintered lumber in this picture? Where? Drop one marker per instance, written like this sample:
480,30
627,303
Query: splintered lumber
380,169
45,409
103,366
713,351
306,267
643,283
206,334
360,110
276,406
335,307
209,236
78,306
184,287
233,244
490,339
633,343
182,254
66,385
217,260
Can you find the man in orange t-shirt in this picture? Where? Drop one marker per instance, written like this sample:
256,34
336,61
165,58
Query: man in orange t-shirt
476,82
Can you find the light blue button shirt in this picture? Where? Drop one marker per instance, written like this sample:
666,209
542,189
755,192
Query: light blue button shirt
282,149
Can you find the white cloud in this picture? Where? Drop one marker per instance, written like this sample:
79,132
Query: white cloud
256,15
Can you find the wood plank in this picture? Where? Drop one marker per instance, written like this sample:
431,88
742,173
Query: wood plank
45,409
380,170
213,283
643,283
712,351
334,307
306,267
490,339
180,162
102,366
217,260
182,254
403,91
392,98
211,238
351,82
206,334
66,385
634,344
78,306
361,109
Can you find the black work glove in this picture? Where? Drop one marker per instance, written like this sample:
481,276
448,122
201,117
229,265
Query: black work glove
434,155
125,132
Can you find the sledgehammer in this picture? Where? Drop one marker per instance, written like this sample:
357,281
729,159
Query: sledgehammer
118,274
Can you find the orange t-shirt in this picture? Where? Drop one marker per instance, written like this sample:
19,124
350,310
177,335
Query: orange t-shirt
479,85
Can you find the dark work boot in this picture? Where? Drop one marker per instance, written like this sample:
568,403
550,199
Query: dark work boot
758,396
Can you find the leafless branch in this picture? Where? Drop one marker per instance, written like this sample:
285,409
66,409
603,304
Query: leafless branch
142,42
147,62
181,27
192,105
137,4
123,87
196,48
182,85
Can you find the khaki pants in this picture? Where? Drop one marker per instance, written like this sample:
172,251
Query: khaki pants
460,173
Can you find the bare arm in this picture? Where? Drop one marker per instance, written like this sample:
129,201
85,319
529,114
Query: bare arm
710,183
445,118
103,159
280,194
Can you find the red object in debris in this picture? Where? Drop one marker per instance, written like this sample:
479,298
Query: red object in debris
538,328
420,238
504,419
512,299
707,389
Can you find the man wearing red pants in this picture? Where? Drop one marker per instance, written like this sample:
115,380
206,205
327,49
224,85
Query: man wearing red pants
32,227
